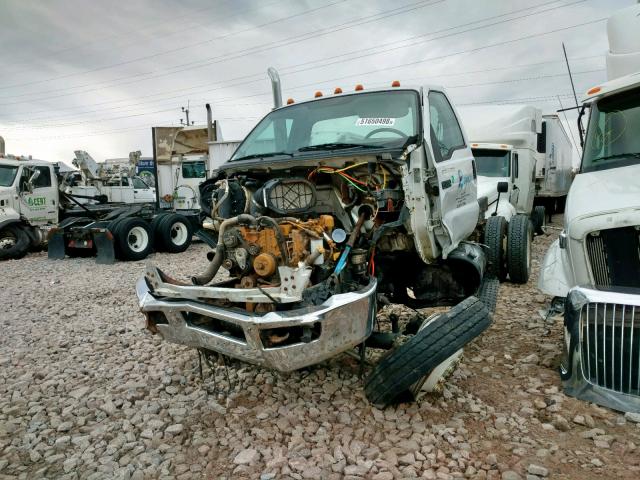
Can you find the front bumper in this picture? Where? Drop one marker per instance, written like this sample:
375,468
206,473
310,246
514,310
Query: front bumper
601,361
339,324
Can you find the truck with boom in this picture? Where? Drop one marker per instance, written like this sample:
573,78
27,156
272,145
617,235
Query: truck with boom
329,209
594,266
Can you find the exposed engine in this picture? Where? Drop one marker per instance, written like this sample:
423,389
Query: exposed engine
313,232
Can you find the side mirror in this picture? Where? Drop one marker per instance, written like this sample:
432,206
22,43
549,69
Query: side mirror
503,187
34,176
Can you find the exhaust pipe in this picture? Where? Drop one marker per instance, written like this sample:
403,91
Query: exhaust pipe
275,86
1,146
209,124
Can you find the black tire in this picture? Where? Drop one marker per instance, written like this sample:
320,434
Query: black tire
392,377
561,203
488,292
174,233
519,248
495,237
133,239
539,219
14,242
155,225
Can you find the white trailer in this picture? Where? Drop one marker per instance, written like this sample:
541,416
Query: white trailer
554,169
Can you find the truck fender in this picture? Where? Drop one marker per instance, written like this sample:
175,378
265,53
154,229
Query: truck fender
9,216
505,209
555,272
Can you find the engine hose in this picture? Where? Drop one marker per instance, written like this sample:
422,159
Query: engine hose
279,236
212,269
216,262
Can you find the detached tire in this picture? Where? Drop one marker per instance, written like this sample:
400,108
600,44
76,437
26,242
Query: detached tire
539,219
174,233
394,375
519,249
132,238
14,242
495,237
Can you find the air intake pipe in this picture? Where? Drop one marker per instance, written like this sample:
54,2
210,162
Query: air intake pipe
209,123
275,87
1,146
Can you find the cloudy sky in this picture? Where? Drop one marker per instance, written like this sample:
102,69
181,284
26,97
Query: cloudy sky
97,75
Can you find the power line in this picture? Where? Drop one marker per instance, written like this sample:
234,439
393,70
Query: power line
375,52
238,54
173,50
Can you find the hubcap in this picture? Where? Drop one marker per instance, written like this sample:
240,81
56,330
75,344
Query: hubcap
138,239
179,233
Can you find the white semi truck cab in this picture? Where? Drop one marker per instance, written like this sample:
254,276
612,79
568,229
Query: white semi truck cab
595,264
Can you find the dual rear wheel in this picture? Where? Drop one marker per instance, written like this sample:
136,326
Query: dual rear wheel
509,247
135,238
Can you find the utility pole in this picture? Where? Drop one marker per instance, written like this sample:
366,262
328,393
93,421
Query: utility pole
186,113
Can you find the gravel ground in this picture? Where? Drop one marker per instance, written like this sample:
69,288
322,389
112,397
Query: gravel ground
86,392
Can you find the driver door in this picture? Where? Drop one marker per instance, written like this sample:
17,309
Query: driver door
455,171
40,205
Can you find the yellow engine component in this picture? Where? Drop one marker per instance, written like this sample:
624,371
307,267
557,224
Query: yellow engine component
297,236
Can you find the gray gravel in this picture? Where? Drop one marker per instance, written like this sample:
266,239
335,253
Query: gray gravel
86,392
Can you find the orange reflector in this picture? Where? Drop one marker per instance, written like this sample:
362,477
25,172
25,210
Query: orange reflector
318,94
504,146
593,90
359,87
290,101
395,83
337,90
474,144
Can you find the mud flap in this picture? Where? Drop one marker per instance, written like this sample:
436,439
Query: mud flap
105,250
55,245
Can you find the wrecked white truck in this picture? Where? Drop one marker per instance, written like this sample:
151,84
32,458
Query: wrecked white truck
595,264
328,209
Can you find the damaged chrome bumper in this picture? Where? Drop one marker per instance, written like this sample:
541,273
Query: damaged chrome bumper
339,324
601,360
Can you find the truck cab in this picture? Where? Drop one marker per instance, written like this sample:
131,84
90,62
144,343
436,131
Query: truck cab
28,202
594,266
496,163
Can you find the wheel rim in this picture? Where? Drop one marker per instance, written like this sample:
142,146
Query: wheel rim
179,233
8,241
137,239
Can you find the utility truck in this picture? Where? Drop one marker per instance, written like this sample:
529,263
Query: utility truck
329,208
594,266
38,207
99,183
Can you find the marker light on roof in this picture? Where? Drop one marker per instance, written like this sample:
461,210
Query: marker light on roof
337,90
359,87
593,90
318,94
395,83
474,144
504,146
290,101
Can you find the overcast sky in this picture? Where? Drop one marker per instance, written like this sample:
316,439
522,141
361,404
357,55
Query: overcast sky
96,76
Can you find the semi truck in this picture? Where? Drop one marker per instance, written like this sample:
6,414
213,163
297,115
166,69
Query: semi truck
328,209
509,143
593,269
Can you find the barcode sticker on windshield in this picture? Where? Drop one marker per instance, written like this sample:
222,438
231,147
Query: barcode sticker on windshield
377,121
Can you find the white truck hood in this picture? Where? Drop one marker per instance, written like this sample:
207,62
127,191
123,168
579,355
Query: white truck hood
602,192
488,187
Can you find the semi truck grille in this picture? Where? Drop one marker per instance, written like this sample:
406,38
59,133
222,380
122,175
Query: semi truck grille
614,256
610,344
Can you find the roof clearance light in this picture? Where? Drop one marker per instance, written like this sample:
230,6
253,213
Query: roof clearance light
395,83
337,90
504,146
593,90
290,101
318,94
359,87
474,144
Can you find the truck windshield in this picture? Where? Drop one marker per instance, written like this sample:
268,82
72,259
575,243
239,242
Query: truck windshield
7,175
492,163
387,119
139,183
612,136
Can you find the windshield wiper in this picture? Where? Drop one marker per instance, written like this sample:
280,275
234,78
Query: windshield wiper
617,155
337,146
263,155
